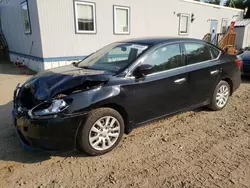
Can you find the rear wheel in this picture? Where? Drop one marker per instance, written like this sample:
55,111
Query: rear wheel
220,96
101,132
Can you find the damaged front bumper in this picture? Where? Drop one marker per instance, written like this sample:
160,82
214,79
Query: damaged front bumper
47,134
50,134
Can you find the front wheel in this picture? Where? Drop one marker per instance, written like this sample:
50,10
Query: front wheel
220,96
102,131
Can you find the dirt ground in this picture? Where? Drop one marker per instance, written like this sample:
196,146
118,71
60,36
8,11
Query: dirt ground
194,149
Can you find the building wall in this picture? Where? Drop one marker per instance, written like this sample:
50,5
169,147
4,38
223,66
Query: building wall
247,36
56,42
18,41
240,37
13,27
148,18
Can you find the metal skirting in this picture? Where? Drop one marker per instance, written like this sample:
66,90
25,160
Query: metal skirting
41,59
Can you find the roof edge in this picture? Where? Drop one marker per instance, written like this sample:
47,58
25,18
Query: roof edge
212,5
242,23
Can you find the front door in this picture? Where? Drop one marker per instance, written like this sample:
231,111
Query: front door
213,31
165,90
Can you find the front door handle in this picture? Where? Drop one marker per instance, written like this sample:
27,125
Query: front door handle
214,72
179,81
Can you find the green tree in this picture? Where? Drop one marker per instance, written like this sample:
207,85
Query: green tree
237,3
241,4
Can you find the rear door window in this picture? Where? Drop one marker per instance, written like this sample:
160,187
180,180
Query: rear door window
197,53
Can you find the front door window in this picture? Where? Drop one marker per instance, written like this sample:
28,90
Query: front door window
165,58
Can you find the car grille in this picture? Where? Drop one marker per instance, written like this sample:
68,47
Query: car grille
26,98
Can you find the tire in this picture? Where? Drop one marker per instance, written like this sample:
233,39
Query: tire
215,104
95,135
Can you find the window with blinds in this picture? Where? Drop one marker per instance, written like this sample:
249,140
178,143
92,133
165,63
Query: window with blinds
121,20
184,24
85,17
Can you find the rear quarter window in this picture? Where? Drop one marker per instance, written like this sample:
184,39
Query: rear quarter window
215,52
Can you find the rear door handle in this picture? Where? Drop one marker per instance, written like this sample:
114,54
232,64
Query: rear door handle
179,81
214,72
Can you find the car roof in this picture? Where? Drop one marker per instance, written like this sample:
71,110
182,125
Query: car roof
159,40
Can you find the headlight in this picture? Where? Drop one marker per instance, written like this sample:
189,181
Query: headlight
49,108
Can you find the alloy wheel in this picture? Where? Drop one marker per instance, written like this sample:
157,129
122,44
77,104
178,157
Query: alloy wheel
222,96
104,133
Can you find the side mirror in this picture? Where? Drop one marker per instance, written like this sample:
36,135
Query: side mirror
143,70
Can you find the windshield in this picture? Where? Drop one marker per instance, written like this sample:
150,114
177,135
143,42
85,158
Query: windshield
113,57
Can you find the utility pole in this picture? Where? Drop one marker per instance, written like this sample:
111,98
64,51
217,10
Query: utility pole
231,4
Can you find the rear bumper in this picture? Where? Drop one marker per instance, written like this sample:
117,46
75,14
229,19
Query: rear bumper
236,81
57,134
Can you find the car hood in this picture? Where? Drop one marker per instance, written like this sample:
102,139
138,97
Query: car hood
47,84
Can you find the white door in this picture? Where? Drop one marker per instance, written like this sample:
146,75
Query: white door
247,41
213,31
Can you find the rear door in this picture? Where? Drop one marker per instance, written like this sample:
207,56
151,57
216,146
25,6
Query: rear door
204,71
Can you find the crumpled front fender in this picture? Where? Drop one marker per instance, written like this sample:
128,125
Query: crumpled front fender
87,100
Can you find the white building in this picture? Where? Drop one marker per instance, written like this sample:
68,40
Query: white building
51,33
242,29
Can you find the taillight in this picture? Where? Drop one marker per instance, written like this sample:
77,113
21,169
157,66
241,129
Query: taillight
238,63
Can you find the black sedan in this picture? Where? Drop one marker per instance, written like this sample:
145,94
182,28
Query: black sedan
90,104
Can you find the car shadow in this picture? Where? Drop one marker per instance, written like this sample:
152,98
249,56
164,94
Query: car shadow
11,148
245,79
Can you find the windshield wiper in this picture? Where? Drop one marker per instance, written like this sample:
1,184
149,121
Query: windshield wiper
87,67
